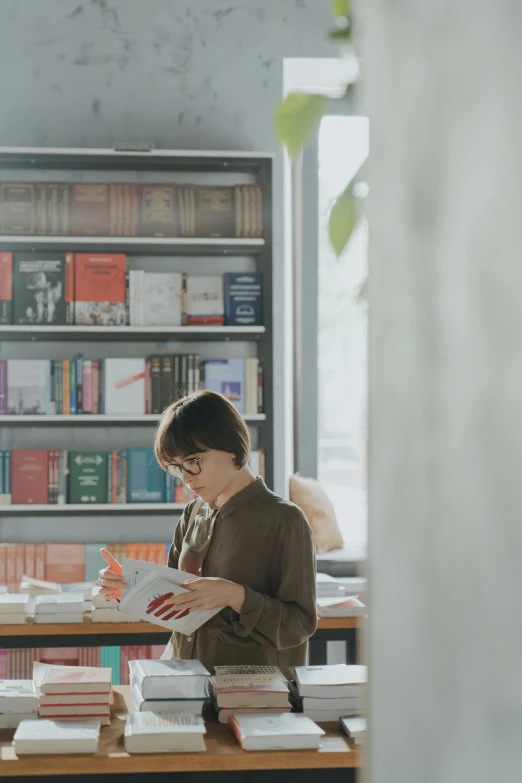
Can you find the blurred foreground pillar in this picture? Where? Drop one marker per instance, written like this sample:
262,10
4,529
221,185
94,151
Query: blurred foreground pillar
443,89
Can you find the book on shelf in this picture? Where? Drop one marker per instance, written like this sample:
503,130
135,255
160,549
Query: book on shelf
76,679
334,681
344,606
286,731
27,386
355,728
14,603
227,377
60,603
39,285
87,477
148,732
18,696
254,689
146,480
6,288
156,298
243,293
205,302
29,584
63,562
29,476
57,737
97,209
176,680
194,706
100,289
125,387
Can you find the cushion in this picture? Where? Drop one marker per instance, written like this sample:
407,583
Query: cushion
309,495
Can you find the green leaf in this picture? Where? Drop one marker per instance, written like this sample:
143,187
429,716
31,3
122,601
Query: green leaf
340,7
343,219
341,34
297,117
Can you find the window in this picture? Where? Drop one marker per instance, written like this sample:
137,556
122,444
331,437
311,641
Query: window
342,334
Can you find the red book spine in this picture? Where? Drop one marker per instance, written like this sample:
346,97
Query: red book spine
30,476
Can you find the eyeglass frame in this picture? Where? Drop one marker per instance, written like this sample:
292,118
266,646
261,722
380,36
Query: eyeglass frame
181,467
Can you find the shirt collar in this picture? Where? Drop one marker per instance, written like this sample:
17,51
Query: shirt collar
246,495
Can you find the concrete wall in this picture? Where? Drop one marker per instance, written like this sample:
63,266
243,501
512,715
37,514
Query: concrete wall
443,95
180,73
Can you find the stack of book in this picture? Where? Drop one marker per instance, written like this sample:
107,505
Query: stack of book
244,689
149,732
56,737
333,599
328,693
13,608
60,608
34,587
169,686
355,728
107,611
276,732
18,701
74,692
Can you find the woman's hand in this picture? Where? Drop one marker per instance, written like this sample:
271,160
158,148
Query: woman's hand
110,579
209,593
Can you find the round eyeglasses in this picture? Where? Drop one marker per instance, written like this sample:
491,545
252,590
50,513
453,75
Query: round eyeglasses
191,466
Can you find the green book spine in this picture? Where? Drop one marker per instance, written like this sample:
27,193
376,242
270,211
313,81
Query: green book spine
88,477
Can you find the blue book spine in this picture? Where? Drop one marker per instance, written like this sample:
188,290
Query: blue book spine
243,299
48,381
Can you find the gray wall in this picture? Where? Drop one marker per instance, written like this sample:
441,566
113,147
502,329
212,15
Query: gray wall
445,451
189,74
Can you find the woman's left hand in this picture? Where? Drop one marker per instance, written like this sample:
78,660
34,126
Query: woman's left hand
209,593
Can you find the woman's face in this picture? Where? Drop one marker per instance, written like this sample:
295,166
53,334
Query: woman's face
218,468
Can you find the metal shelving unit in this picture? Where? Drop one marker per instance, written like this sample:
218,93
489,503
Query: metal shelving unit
83,509
102,419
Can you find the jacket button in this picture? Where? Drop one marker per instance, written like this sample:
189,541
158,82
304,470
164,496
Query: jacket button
199,569
189,639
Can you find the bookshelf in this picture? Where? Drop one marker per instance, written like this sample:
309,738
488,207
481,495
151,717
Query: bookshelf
194,255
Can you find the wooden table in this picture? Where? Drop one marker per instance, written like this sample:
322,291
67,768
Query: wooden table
336,761
88,634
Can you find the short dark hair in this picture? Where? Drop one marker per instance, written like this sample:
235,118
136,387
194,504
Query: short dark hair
203,420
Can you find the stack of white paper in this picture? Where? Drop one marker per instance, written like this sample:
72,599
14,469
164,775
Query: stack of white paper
18,701
276,732
13,608
148,732
61,608
169,686
328,693
49,736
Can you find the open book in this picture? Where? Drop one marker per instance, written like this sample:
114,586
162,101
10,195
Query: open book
149,586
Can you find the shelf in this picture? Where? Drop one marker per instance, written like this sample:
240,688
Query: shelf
223,755
81,509
150,333
88,418
136,245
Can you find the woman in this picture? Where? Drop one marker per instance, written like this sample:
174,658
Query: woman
250,551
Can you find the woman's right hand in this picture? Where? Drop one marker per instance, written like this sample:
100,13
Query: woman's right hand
110,579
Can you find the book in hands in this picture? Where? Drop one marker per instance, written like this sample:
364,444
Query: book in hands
149,586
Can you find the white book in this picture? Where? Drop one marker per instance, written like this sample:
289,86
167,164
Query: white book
54,699
250,668
335,681
74,710
162,299
348,703
287,731
149,732
34,586
111,615
205,300
355,728
62,603
49,736
148,582
17,696
13,603
194,706
251,391
226,713
170,679
344,606
27,381
329,716
136,288
12,619
327,585
58,617
74,679
11,720
125,387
